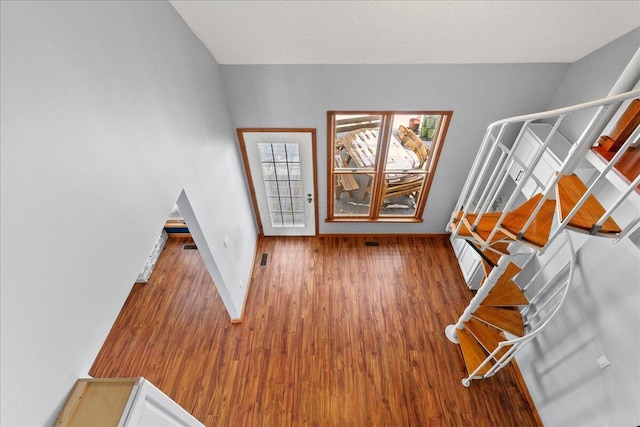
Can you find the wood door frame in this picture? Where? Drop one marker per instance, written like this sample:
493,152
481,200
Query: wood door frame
247,169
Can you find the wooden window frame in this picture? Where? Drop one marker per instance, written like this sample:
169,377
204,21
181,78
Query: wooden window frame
379,168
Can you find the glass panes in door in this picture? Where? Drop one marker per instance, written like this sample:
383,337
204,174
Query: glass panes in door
283,185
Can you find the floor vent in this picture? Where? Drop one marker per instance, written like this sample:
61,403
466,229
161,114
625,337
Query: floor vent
369,243
189,246
263,260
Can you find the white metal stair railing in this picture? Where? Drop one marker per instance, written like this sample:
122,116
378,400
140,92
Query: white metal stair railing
487,181
491,166
541,309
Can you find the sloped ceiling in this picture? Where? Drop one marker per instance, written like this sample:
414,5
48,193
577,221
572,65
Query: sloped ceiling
406,32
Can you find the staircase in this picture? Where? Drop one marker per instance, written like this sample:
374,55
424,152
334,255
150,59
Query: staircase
526,243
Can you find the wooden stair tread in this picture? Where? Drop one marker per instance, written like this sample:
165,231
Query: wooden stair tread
628,166
570,189
472,352
505,293
481,233
538,232
487,336
463,231
502,318
508,274
485,226
511,270
501,247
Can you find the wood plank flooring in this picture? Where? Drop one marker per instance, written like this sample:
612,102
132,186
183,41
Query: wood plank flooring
335,333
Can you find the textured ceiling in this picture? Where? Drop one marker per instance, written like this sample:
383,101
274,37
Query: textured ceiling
406,32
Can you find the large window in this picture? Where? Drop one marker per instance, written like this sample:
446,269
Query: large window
381,163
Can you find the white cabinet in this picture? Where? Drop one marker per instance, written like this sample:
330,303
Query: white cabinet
470,263
122,402
532,139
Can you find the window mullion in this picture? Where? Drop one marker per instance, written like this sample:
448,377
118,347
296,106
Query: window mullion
381,162
391,183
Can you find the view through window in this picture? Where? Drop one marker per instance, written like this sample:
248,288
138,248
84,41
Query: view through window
382,163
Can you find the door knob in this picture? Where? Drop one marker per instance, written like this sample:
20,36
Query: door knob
309,198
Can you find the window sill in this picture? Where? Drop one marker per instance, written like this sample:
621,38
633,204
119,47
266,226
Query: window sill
396,220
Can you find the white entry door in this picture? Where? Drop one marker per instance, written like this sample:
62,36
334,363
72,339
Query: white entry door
281,170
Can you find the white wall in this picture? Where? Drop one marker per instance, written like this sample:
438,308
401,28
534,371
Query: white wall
300,95
109,111
602,313
592,77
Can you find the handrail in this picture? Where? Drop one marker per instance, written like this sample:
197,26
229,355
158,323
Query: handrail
498,176
527,118
568,110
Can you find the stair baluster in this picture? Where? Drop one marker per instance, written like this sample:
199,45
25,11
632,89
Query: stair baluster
484,327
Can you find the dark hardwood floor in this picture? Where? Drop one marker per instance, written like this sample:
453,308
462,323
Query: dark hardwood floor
335,333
